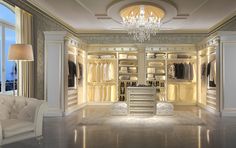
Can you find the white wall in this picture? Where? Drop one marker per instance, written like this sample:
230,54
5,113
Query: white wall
228,73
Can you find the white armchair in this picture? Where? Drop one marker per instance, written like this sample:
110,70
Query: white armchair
20,118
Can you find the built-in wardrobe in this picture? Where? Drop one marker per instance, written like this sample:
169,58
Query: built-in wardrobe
64,73
110,71
200,74
171,69
208,83
102,77
216,73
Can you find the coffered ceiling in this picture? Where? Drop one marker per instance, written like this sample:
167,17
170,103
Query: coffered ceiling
90,16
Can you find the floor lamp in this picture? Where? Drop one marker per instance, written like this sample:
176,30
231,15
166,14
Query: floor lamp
20,52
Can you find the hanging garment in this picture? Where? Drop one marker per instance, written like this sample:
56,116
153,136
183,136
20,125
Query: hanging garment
172,92
105,74
91,72
72,74
104,93
176,70
211,73
97,73
208,69
191,71
91,93
203,69
111,71
108,91
78,71
186,71
72,68
97,94
113,93
101,72
179,71
101,93
171,71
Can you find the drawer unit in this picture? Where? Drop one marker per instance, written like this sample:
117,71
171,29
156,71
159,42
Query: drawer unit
141,100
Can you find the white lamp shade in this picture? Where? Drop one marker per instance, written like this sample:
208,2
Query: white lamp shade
21,52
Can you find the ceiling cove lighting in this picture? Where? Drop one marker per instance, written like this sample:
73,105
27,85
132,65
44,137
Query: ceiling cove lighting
142,21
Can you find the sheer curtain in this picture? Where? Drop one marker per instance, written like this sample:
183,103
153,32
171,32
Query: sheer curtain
25,69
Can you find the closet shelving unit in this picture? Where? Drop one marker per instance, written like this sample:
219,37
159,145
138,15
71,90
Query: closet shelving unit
102,58
160,79
72,92
211,91
207,93
156,73
185,90
127,72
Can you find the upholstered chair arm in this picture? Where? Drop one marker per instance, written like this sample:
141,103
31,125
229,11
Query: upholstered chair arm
1,136
38,121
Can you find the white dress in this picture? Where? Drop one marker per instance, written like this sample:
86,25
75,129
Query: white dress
111,71
105,74
97,72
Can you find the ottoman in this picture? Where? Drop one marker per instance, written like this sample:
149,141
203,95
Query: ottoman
164,109
119,109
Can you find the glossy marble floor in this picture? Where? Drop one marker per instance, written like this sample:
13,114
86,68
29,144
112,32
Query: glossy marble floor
64,132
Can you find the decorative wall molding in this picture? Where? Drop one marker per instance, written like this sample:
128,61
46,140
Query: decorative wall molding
124,38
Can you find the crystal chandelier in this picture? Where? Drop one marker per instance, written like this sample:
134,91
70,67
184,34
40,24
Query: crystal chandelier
142,21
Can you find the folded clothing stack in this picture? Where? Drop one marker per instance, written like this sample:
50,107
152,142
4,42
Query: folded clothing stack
132,57
133,78
107,56
123,56
132,70
151,70
151,55
124,77
156,64
123,70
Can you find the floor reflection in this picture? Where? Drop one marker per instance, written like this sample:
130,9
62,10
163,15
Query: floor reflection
66,133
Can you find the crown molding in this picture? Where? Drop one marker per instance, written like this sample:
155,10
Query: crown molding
222,23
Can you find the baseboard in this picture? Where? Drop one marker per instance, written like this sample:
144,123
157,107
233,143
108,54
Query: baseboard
228,113
103,103
53,113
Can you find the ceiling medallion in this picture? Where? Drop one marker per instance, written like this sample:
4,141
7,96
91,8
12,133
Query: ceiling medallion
142,20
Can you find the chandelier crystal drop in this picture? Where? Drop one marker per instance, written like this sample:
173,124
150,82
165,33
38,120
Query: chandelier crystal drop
142,21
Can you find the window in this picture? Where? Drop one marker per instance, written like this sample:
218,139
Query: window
8,72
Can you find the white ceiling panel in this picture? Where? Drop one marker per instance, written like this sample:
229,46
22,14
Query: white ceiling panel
91,15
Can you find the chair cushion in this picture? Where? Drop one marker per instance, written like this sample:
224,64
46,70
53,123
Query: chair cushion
4,112
14,127
27,113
